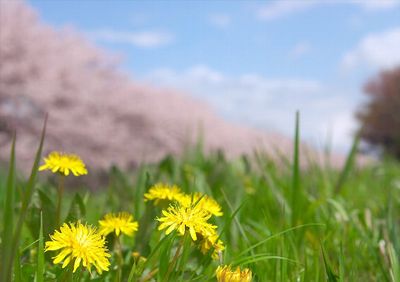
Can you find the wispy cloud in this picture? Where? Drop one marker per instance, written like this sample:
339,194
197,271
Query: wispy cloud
376,5
299,50
143,39
268,103
278,9
220,20
378,50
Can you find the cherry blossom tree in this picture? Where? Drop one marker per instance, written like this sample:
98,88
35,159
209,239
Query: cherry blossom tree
380,118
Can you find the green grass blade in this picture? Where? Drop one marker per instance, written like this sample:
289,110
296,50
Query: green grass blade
331,276
341,264
234,212
137,269
17,268
261,257
296,173
48,208
348,165
156,249
40,259
394,263
165,258
77,210
277,235
27,195
184,258
8,212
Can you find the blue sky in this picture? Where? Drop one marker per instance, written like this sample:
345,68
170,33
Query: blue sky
256,62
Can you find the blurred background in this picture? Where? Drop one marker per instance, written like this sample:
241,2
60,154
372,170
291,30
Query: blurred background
131,81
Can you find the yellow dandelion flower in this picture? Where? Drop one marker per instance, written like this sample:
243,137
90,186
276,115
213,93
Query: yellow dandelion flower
182,218
120,223
64,164
204,201
163,192
225,274
209,242
79,243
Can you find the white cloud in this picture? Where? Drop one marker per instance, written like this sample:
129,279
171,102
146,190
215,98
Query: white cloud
220,20
378,50
278,9
143,39
376,5
299,50
268,103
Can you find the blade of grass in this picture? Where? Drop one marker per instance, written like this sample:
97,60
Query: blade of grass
239,225
40,259
331,276
341,264
394,264
183,260
17,268
296,173
27,196
165,258
138,268
348,165
154,251
260,257
7,260
132,272
305,276
370,243
277,235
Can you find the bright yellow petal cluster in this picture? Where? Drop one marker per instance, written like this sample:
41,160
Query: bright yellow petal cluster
64,164
119,223
160,192
225,274
78,244
203,201
180,218
211,242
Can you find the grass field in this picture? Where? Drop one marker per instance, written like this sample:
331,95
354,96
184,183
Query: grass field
281,222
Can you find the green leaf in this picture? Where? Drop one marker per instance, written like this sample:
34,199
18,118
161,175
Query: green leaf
341,264
348,166
394,262
8,219
40,259
48,208
77,209
278,235
296,173
27,196
261,257
332,277
17,268
165,256
186,250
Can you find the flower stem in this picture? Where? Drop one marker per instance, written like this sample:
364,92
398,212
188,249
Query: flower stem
176,256
60,193
118,249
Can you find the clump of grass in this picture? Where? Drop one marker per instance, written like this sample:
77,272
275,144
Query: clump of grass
205,218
